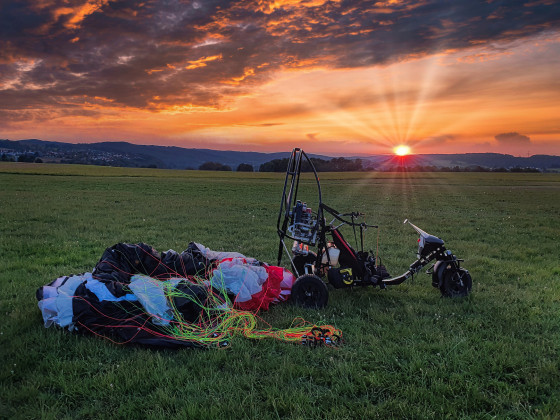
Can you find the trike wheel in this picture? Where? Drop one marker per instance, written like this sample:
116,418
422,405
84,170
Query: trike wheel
310,291
456,283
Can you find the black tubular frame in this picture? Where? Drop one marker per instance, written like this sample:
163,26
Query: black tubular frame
289,198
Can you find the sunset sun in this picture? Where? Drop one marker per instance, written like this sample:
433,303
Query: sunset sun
402,150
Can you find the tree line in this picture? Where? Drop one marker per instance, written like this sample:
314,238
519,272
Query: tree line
280,165
321,165
26,157
217,166
472,168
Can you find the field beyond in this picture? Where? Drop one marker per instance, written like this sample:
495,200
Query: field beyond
408,352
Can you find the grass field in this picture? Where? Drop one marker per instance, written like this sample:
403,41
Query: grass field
408,354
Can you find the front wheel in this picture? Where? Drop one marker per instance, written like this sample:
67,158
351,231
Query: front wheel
310,291
456,283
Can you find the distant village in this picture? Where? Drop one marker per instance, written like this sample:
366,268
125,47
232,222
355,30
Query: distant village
86,157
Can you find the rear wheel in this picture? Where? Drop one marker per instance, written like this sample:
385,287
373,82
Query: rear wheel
310,291
456,283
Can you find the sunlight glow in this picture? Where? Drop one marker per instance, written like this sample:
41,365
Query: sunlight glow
402,150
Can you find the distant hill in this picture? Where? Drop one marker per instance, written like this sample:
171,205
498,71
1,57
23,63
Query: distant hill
491,160
463,160
128,154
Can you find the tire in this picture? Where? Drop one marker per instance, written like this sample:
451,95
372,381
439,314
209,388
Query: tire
456,283
310,291
437,274
299,262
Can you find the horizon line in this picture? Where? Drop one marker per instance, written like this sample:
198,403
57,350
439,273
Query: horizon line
359,155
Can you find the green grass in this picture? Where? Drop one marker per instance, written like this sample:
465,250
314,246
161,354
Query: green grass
408,352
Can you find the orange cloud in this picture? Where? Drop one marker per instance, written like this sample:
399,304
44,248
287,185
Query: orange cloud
237,80
270,6
71,15
201,62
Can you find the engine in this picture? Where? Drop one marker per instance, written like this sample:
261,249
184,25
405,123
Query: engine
303,226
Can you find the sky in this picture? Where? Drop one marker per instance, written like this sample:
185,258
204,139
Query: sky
338,77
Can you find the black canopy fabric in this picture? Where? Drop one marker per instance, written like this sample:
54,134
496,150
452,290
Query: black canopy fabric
128,322
124,322
119,262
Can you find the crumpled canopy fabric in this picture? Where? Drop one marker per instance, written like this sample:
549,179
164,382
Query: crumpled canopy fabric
119,262
253,284
84,304
138,295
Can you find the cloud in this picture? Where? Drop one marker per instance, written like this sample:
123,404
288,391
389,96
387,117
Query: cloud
187,54
261,125
436,140
512,139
